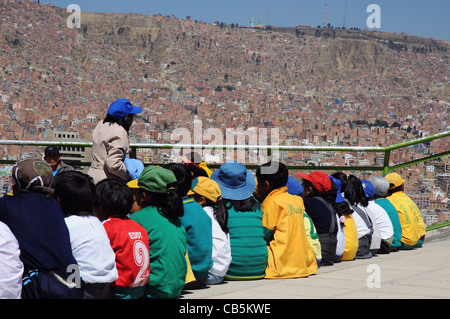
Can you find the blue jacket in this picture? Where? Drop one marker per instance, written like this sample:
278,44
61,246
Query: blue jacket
198,227
38,224
393,216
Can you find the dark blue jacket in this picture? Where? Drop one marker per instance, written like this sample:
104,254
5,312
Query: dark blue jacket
320,215
38,224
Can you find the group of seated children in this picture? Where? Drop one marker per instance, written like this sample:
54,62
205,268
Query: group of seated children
180,226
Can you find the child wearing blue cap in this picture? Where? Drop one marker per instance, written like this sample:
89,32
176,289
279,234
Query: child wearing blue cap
380,218
347,224
354,195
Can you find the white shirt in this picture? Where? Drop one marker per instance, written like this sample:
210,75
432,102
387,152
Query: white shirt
361,226
340,246
91,249
376,235
221,253
11,268
382,219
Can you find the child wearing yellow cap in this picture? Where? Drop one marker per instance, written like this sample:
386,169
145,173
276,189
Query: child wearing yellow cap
413,227
207,193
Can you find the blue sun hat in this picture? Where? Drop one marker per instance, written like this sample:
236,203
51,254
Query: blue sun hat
134,167
122,107
338,183
294,187
369,190
235,181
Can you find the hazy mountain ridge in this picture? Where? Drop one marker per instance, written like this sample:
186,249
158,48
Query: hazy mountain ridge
229,75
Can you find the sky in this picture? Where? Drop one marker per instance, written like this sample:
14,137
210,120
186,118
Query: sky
424,18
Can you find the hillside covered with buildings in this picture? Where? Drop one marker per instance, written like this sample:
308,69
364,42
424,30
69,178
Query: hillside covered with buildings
324,87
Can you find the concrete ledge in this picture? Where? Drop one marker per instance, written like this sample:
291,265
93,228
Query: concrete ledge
419,273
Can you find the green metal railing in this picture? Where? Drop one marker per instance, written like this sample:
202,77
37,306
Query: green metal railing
437,226
386,168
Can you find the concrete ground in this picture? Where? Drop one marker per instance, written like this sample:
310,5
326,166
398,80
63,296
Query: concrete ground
420,273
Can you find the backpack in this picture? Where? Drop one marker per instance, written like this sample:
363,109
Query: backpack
41,284
328,241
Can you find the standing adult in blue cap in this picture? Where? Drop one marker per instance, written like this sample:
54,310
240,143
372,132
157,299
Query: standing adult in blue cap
110,142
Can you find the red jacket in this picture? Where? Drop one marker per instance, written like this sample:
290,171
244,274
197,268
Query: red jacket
129,240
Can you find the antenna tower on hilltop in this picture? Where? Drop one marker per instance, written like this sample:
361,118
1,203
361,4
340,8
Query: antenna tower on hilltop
345,15
324,23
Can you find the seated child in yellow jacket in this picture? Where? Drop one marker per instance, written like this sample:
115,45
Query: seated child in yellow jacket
290,254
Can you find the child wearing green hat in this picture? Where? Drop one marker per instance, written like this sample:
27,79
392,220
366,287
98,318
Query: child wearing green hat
160,215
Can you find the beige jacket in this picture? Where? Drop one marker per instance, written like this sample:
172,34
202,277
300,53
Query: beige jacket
110,147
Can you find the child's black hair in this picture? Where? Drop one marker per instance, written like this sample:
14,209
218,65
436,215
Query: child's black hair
394,190
170,204
245,205
114,196
76,193
277,179
183,176
353,189
221,215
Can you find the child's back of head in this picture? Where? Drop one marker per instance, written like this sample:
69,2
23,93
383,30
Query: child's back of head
277,179
75,192
183,176
114,197
159,186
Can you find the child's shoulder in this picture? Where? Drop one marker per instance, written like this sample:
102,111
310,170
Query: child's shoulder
122,224
191,205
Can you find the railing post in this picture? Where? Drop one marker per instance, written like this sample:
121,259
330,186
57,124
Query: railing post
387,155
133,152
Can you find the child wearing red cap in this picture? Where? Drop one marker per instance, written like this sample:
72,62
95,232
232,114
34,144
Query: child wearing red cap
318,205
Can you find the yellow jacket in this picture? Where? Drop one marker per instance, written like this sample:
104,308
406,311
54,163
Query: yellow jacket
351,238
206,168
411,220
290,254
312,236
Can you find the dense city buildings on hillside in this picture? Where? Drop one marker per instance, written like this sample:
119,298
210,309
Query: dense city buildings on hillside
315,90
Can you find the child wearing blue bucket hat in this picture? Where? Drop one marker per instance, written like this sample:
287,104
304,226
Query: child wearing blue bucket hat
248,247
